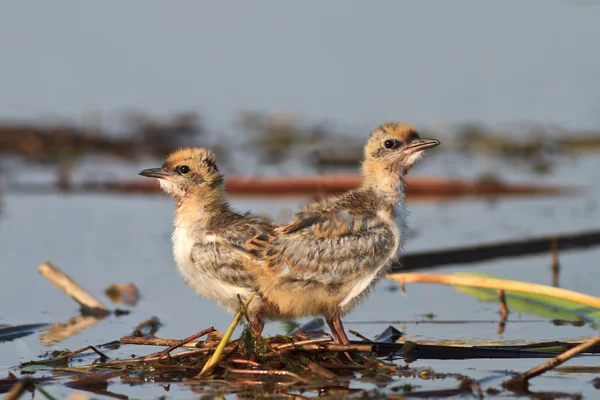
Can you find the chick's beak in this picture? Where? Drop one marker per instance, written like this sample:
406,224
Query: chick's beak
420,145
155,173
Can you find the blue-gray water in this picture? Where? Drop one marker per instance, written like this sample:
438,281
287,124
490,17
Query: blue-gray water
352,63
101,239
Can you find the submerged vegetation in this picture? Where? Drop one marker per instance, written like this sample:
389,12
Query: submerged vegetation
277,138
60,142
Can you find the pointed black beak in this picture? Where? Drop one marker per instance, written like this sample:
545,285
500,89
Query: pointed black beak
155,173
420,145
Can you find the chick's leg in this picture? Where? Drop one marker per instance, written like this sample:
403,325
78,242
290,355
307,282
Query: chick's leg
336,337
339,327
257,323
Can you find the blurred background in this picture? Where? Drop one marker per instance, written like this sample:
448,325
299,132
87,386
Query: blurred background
91,93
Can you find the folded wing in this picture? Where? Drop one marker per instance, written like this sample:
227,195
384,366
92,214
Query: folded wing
326,246
224,256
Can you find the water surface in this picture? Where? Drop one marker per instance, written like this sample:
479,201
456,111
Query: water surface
101,239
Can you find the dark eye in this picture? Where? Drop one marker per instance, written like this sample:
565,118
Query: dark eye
182,169
389,144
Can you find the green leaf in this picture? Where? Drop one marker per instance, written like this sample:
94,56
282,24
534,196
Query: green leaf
534,304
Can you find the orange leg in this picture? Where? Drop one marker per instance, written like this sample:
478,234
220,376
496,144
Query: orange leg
337,330
334,333
257,324
337,322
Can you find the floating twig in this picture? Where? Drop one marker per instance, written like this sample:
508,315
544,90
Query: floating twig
358,335
517,382
245,362
66,356
89,304
165,342
19,388
502,284
336,348
301,343
184,341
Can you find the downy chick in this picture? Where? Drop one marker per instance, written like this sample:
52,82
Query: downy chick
329,256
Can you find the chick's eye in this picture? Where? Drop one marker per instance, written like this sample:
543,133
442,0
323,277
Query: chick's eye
389,144
182,169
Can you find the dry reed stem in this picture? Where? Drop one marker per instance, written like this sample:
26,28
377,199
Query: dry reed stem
165,342
66,356
87,371
19,388
168,350
301,334
89,304
245,362
358,335
502,284
552,363
300,343
336,348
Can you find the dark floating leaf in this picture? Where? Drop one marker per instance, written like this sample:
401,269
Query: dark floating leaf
148,327
315,324
518,248
7,384
115,344
442,352
126,293
8,333
389,335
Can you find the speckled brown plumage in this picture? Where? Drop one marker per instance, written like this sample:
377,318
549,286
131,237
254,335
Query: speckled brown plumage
328,257
209,239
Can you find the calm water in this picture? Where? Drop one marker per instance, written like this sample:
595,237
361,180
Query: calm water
355,64
99,240
351,65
